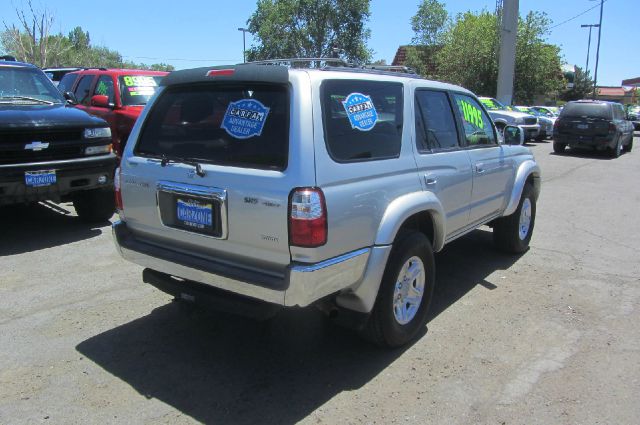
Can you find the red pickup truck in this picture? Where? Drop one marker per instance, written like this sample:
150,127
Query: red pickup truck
116,95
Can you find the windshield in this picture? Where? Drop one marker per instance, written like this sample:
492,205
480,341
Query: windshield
584,109
27,85
492,104
138,89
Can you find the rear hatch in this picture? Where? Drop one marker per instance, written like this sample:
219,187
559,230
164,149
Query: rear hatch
585,119
213,166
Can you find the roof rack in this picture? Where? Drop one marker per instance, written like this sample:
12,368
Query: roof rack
392,68
293,62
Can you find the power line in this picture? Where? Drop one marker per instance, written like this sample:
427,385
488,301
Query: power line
181,59
577,16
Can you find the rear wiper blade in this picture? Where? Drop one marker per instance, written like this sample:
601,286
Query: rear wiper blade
166,160
32,99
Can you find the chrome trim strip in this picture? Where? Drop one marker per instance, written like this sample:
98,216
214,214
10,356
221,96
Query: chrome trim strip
330,262
206,192
93,158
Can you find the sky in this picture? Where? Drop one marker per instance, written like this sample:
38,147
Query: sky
197,33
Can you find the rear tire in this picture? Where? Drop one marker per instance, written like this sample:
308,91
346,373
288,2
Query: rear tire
401,308
513,233
559,147
94,206
629,145
617,149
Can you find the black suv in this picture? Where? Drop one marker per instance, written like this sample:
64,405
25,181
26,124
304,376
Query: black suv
593,124
50,150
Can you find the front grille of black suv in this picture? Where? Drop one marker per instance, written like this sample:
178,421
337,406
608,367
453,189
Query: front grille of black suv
62,144
530,121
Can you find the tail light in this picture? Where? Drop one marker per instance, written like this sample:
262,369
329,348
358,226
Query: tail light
118,193
307,218
612,127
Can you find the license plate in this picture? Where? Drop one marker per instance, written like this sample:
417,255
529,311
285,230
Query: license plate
193,213
40,178
583,126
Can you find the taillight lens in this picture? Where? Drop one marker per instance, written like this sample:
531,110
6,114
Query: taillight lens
118,193
307,218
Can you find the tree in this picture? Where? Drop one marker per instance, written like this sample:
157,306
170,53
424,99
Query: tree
310,28
428,23
469,56
582,86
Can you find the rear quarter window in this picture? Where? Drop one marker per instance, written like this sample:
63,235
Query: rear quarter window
362,119
244,125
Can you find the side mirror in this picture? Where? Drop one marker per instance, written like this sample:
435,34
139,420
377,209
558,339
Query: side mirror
71,98
101,101
513,135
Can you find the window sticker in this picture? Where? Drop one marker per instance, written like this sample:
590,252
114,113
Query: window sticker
102,88
361,111
139,81
471,114
141,91
245,118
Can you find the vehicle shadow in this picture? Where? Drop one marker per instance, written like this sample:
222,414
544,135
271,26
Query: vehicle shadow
584,154
38,226
218,368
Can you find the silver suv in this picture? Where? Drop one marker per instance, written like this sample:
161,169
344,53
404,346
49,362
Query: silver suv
257,187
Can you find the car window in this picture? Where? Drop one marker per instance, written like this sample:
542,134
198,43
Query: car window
138,89
362,119
105,87
66,83
492,104
435,123
477,125
586,109
82,90
238,125
27,82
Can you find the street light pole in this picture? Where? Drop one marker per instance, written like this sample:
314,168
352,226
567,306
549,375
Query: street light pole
590,26
244,45
595,76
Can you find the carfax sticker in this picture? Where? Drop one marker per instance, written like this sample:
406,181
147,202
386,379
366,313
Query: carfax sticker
245,118
361,111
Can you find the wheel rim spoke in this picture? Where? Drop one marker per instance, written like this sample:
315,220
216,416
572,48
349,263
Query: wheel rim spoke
409,290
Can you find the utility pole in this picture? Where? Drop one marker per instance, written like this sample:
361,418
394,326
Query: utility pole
595,76
590,26
244,45
507,58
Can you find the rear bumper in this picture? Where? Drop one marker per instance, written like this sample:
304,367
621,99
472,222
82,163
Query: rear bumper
592,142
72,176
299,285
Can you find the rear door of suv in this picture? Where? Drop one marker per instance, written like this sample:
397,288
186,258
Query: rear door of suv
214,162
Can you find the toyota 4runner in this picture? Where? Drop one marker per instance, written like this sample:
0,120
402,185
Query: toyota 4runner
50,150
258,186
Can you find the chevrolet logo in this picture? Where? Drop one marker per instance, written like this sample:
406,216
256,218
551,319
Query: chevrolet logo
36,146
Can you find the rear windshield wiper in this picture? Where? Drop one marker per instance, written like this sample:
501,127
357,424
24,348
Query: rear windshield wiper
166,160
32,99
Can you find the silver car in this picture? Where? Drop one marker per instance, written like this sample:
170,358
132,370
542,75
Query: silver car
503,117
257,187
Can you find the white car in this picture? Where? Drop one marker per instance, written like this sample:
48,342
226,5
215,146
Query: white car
503,117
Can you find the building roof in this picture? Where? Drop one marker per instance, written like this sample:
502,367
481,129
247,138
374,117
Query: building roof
631,82
610,91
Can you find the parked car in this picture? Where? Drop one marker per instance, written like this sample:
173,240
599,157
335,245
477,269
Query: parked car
593,124
503,117
257,187
116,95
56,74
545,122
548,111
633,115
50,150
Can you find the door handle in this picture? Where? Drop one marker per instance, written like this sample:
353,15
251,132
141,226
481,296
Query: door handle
480,168
430,180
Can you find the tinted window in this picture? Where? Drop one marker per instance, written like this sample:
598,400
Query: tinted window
245,126
138,89
66,83
27,82
477,125
362,119
82,90
586,109
105,87
435,124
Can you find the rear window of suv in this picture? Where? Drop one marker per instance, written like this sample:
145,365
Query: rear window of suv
592,110
244,126
362,119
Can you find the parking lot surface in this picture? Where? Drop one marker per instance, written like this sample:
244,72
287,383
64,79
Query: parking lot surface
548,337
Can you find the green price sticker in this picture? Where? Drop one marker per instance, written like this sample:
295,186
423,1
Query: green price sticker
139,81
471,114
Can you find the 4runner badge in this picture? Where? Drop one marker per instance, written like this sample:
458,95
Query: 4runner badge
361,111
36,146
245,118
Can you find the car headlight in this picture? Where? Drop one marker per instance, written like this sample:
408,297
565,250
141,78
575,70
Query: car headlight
97,133
97,150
